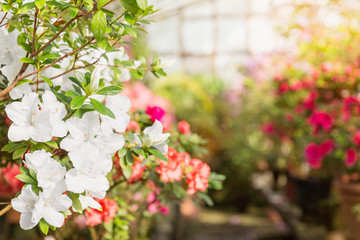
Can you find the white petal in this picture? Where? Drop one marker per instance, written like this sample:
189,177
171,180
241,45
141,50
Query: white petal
163,148
18,133
26,222
74,181
17,114
53,217
59,128
41,133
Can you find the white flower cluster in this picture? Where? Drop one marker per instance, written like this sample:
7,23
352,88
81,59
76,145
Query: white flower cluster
90,143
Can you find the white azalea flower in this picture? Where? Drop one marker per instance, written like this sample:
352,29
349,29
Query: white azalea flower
119,105
88,200
87,129
30,120
49,173
154,137
57,113
90,168
33,208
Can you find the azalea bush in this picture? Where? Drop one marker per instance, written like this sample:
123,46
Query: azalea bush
81,147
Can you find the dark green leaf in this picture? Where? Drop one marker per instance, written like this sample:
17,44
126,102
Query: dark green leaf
101,108
19,152
129,157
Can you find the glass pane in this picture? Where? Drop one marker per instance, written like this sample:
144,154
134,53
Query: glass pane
198,36
231,35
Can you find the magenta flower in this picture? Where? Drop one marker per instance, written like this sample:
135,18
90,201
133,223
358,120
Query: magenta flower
155,113
315,153
350,157
319,120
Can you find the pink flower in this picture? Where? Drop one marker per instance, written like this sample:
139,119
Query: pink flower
268,128
348,69
197,177
133,126
184,127
348,105
350,157
137,171
309,102
289,117
319,120
284,87
164,210
95,217
315,153
151,197
154,207
167,122
155,113
356,138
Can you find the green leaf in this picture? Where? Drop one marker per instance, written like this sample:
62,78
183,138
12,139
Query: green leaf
26,179
77,102
102,3
130,5
73,11
47,80
99,24
129,157
110,90
142,4
131,31
122,152
27,60
44,226
12,146
157,153
101,108
206,198
24,170
26,7
130,19
75,201
40,3
127,171
23,81
19,152
52,144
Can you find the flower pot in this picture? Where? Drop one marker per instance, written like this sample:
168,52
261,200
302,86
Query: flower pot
310,195
350,196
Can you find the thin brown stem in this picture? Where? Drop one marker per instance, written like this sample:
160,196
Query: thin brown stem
5,209
2,20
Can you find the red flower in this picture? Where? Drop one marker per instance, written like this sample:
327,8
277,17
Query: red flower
356,138
350,157
9,185
315,153
184,127
319,120
155,113
197,177
95,217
